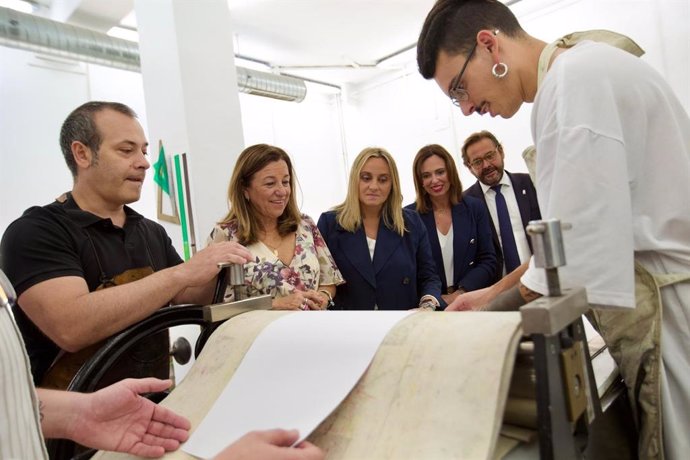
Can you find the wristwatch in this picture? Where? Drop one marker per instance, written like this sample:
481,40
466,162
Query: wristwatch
428,303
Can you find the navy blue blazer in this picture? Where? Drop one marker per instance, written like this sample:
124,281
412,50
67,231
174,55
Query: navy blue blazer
400,274
474,256
526,196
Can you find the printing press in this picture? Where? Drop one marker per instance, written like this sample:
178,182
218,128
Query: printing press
468,385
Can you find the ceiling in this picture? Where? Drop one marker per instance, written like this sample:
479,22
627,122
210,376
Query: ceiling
338,42
335,41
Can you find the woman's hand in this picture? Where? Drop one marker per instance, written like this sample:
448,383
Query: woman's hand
301,300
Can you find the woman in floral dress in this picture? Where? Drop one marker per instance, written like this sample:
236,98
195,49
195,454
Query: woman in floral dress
291,261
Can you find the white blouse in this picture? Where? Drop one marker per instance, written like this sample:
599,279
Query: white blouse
446,243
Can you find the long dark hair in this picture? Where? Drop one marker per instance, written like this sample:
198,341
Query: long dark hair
423,201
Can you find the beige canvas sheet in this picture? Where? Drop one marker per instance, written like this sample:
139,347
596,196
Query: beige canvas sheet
436,388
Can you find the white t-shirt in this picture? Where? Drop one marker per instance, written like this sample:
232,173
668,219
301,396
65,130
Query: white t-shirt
613,159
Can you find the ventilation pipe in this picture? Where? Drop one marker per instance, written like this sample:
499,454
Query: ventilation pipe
41,35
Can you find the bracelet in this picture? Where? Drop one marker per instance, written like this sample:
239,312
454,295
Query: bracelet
330,303
428,304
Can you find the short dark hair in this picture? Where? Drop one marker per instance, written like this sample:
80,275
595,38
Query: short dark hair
79,126
453,25
476,137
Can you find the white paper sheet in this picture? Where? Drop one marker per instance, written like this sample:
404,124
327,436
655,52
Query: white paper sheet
294,375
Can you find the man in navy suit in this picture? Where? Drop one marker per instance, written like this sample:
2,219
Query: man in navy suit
483,155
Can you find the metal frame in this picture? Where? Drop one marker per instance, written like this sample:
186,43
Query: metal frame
554,325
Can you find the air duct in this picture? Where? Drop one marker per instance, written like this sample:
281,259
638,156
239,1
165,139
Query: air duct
41,35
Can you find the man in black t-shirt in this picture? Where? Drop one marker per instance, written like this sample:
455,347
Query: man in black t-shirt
87,266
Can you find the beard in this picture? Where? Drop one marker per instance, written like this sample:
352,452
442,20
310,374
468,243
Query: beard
489,172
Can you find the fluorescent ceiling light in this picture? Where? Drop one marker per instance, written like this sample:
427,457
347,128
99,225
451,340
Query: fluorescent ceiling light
18,5
127,34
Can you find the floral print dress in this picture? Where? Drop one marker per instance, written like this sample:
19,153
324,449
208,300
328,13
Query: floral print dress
311,266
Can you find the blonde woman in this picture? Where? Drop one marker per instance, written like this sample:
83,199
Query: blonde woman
291,262
381,250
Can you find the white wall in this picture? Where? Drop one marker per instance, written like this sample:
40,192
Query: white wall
34,101
408,112
405,112
36,94
310,132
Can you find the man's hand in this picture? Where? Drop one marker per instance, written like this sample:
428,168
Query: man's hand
449,298
203,266
270,445
199,273
471,301
481,298
118,418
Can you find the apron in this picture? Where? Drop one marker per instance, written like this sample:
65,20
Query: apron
149,357
633,336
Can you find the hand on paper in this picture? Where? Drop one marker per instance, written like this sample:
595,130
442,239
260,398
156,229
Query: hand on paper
270,445
471,301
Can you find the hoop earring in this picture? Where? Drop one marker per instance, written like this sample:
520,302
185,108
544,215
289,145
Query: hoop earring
494,70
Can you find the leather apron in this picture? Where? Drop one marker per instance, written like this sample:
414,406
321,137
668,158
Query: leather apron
149,357
633,337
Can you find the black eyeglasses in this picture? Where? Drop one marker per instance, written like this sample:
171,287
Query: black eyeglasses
489,157
456,92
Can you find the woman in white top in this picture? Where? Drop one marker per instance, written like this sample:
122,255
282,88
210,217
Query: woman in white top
458,227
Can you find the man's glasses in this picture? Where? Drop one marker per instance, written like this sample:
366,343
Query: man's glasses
489,157
456,92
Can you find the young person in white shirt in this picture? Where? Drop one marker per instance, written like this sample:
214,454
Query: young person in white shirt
613,159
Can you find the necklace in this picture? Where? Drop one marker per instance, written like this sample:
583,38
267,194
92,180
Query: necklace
273,247
274,250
